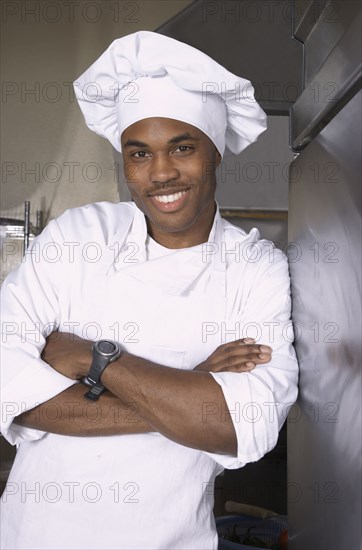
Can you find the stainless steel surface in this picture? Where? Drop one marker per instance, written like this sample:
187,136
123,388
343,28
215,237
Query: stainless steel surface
26,224
321,28
230,31
305,17
12,241
324,432
39,221
335,82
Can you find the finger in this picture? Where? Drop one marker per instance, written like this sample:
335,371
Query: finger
231,362
250,360
261,358
257,359
257,349
235,343
242,349
237,356
241,367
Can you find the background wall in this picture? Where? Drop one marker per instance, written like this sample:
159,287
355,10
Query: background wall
48,155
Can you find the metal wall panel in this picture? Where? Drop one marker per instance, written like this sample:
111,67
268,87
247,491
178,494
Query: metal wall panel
336,81
324,433
322,26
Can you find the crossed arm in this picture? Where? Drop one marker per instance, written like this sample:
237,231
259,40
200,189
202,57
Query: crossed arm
144,396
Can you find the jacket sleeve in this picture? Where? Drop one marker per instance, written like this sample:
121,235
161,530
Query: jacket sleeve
29,313
259,401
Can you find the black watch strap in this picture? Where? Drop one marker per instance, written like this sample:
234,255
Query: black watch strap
98,365
95,392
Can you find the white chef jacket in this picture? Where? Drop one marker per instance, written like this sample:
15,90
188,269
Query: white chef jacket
91,271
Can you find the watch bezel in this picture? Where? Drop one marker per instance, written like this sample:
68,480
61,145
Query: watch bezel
112,355
101,360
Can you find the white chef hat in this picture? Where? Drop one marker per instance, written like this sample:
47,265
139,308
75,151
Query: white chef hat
146,74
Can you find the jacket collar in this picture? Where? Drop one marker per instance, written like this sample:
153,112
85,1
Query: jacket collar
189,264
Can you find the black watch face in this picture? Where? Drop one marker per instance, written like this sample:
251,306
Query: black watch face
106,346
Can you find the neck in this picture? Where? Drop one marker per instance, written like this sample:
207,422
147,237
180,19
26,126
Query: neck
198,233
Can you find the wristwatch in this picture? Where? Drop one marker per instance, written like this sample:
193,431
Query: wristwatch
104,353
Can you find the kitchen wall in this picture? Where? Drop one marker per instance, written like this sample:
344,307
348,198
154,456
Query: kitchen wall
48,155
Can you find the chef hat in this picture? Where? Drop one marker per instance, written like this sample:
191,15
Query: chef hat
147,74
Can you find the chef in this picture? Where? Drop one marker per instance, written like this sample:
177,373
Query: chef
153,350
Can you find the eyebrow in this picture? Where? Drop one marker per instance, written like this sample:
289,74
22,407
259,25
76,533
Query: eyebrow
176,139
183,137
134,143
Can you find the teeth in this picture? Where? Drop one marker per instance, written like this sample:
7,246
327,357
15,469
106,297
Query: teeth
170,198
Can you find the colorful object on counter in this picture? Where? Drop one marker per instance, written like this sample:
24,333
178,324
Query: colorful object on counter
245,532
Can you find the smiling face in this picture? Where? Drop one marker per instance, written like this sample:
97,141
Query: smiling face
170,172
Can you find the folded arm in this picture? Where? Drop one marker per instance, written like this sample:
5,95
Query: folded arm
69,413
144,396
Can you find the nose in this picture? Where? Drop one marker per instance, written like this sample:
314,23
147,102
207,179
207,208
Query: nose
163,169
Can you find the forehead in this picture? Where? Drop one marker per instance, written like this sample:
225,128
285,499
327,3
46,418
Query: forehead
158,129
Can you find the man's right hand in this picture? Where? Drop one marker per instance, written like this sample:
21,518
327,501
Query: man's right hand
68,354
238,356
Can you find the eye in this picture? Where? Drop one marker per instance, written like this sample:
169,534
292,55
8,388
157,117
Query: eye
139,154
183,149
